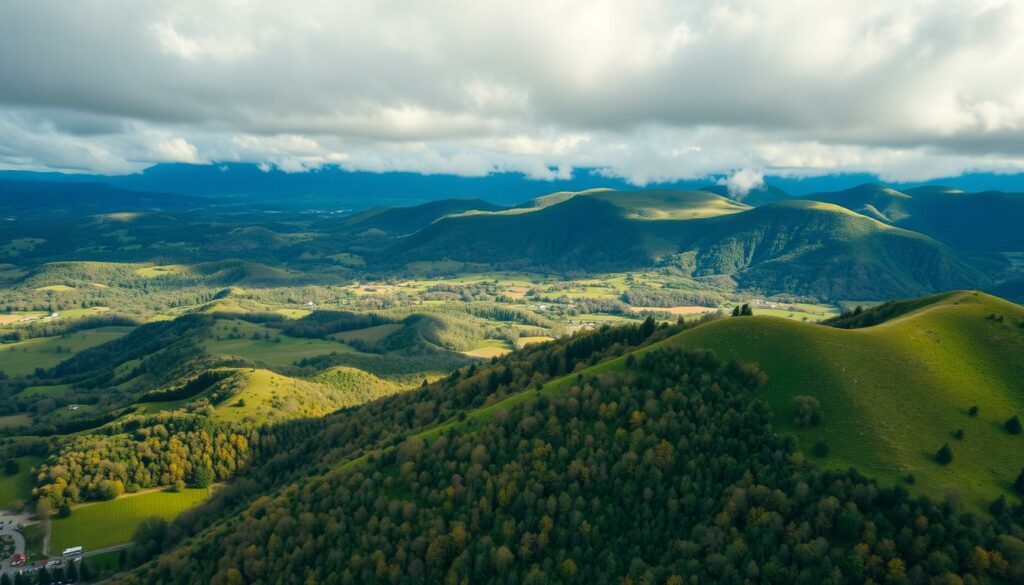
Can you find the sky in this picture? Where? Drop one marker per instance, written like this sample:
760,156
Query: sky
645,91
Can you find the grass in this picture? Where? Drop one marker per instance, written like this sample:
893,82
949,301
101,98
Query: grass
105,524
23,357
161,270
369,334
15,420
893,394
490,348
56,288
18,486
267,351
43,390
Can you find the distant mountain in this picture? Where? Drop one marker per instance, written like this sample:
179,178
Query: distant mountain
793,246
990,221
58,200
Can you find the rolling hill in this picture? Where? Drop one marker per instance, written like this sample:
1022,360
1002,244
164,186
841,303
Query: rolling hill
892,394
989,221
792,246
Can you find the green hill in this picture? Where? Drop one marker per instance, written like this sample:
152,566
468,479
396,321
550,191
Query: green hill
657,466
794,246
989,221
892,394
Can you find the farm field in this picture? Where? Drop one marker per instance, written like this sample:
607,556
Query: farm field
113,522
23,357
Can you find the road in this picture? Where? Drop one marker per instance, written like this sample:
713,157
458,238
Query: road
8,522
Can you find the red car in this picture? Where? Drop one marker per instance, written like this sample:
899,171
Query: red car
17,559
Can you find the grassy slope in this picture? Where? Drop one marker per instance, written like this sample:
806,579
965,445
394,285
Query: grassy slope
23,357
18,486
108,523
891,394
275,353
894,393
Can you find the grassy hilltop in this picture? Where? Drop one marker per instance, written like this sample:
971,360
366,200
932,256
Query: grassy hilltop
892,394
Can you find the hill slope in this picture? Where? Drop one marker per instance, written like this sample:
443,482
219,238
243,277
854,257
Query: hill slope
977,222
398,221
794,246
892,394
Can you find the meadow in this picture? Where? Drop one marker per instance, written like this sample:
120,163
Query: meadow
18,487
113,522
23,357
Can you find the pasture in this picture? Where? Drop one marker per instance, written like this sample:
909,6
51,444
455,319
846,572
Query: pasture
23,357
113,522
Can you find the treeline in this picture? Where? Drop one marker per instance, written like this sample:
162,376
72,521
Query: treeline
55,327
665,472
191,388
320,324
142,453
650,297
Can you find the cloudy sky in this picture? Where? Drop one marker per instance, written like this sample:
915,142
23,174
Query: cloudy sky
645,90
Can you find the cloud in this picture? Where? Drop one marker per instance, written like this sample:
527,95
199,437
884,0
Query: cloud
648,90
742,182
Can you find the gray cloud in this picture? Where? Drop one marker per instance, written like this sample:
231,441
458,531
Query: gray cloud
646,90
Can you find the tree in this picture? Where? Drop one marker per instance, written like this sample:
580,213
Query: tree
72,572
109,489
11,467
806,411
5,580
1018,486
944,456
959,435
973,411
64,511
746,311
1013,425
179,486
202,477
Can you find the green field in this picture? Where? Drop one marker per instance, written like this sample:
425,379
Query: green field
894,393
23,357
369,334
489,348
263,350
18,486
108,523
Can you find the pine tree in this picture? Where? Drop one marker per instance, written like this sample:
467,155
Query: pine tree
1018,486
945,455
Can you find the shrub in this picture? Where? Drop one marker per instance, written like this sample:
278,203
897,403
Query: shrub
1013,425
806,411
11,467
821,448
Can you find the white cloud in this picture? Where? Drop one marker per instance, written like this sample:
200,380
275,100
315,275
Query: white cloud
742,182
646,90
